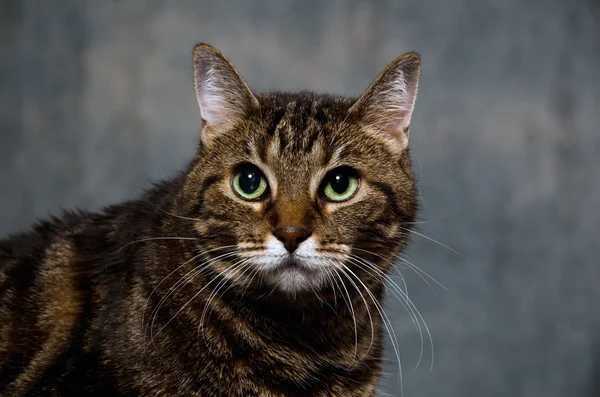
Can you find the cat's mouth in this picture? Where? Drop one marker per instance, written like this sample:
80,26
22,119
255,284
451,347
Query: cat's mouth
293,273
306,268
290,262
294,262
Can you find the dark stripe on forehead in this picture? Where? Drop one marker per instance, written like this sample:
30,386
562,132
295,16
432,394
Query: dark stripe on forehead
314,127
282,139
320,115
305,127
272,124
312,138
308,120
282,132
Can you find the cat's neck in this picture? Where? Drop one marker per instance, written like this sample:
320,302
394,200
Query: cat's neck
341,327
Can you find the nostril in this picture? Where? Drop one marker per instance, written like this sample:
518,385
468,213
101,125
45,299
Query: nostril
291,236
301,238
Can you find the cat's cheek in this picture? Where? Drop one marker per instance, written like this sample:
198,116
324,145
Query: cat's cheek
201,227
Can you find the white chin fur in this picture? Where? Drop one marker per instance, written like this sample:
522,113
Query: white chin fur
296,280
309,274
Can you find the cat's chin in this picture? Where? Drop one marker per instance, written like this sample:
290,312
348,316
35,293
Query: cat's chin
296,278
292,275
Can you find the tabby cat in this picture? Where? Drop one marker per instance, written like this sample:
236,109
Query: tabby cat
257,271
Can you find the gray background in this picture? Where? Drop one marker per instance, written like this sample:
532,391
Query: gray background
96,100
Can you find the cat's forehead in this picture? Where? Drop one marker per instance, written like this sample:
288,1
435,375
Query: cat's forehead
303,128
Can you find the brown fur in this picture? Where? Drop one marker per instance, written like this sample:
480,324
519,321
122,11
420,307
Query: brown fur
132,301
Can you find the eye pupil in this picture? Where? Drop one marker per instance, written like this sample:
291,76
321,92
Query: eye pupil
249,181
339,183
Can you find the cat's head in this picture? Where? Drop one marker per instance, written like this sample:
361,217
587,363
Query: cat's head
299,191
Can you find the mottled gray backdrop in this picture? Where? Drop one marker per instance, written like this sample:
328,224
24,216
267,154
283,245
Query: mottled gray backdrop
96,100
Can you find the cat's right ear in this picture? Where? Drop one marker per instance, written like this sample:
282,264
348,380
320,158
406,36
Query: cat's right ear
386,106
223,95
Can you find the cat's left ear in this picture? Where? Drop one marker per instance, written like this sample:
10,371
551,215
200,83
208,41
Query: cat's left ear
223,95
387,105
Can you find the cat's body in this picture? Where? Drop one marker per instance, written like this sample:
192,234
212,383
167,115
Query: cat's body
202,287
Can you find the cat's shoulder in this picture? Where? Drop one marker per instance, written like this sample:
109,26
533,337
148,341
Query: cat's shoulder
34,240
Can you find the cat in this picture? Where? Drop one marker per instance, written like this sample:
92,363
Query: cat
257,271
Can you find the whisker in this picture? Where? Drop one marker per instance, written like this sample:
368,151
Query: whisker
240,265
170,274
207,303
353,319
368,267
178,216
331,281
252,275
411,309
182,281
181,309
336,277
321,301
368,314
157,238
415,223
392,266
435,241
191,274
386,321
420,271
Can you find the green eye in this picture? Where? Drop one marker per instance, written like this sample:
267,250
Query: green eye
249,182
340,184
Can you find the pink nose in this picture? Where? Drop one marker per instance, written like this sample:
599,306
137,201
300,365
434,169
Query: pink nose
291,236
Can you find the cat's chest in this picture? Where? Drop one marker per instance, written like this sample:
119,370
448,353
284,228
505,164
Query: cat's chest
271,369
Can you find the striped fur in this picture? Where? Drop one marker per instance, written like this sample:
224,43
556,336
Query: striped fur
87,302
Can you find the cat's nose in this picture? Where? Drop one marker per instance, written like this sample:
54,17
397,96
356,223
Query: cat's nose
291,236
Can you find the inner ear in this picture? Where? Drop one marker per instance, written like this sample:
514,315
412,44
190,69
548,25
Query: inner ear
386,106
223,95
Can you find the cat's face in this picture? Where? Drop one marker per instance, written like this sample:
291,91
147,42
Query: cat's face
302,191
